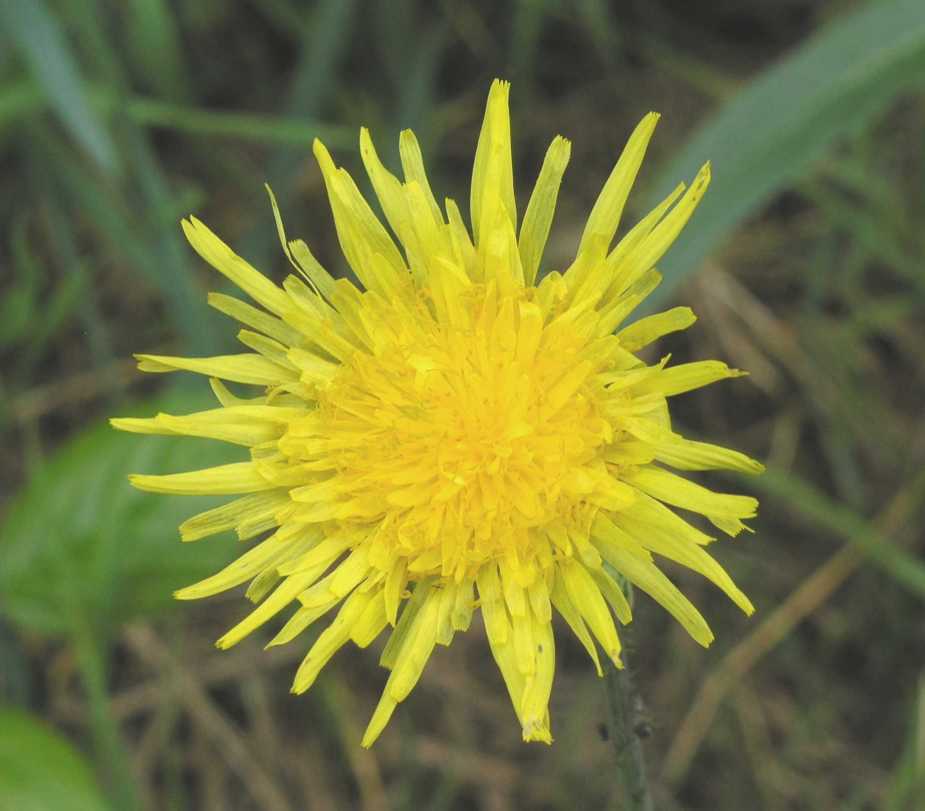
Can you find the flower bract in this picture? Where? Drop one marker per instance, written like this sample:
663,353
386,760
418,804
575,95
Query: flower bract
459,433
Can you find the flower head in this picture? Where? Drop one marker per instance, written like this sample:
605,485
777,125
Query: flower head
457,433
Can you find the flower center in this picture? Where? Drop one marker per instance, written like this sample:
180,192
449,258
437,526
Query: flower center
459,443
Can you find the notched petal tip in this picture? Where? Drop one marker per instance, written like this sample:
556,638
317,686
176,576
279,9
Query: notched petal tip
537,732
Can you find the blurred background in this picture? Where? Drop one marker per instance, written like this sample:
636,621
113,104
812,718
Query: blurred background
805,265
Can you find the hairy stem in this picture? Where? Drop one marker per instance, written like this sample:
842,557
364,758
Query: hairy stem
625,726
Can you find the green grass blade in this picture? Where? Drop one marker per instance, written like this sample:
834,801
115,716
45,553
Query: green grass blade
767,136
35,31
23,99
790,491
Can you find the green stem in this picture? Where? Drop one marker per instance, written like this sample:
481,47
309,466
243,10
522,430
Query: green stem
110,752
624,725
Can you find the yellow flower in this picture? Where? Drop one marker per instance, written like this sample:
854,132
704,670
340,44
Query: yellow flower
458,433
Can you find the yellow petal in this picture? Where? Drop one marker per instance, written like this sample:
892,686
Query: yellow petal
331,640
493,171
587,599
233,267
534,231
259,509
608,208
643,332
222,480
687,376
247,368
673,489
412,163
686,454
493,609
657,529
664,234
250,315
564,605
359,232
620,551
250,564
538,687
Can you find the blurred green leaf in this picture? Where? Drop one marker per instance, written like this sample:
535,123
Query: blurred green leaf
79,544
50,60
786,118
40,770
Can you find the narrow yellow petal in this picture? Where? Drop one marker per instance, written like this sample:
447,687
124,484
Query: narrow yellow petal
247,368
233,267
643,332
659,530
222,424
604,218
463,606
387,187
564,605
613,594
524,643
664,234
259,508
615,313
371,622
250,315
678,491
493,171
686,377
331,640
394,585
284,594
619,550
622,269
381,717
503,653
267,347
412,643
301,620
534,231
250,564
493,608
413,606
359,232
687,454
538,687
412,163
320,279
416,650
538,591
222,480
500,256
445,630
587,599
463,249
